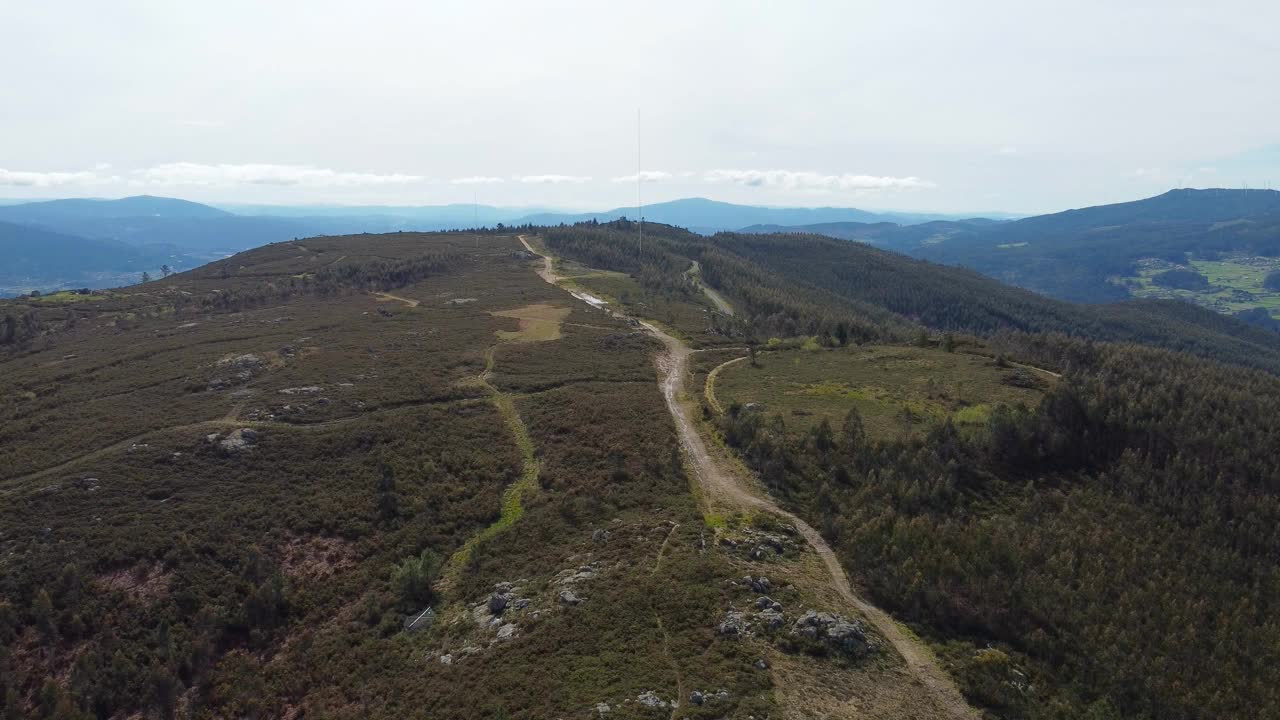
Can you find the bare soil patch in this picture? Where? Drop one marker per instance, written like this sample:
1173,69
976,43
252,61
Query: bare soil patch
539,322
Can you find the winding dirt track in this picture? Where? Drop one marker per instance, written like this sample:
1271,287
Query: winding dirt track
717,482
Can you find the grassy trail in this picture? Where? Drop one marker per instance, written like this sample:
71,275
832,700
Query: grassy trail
513,496
710,389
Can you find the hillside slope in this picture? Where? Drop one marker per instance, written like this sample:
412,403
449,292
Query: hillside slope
1101,254
284,458
1079,528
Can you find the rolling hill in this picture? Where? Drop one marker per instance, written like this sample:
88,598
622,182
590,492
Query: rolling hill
391,475
1109,252
412,473
1023,540
708,216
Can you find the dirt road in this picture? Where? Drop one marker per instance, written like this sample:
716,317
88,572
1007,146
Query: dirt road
723,485
717,482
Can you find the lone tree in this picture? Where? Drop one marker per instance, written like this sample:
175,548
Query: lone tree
146,276
166,271
414,577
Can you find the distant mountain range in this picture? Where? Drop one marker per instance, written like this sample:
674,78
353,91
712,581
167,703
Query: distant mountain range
709,216
140,233
1095,254
1108,252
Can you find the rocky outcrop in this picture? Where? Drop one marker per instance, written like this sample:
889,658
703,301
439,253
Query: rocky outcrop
844,635
734,625
236,440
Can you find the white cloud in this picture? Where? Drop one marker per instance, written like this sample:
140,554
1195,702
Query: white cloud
476,180
552,179
645,175
804,180
186,173
22,178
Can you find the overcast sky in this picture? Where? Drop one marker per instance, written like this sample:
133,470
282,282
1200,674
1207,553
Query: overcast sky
1021,106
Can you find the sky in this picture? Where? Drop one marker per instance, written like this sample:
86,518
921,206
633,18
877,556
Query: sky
1021,106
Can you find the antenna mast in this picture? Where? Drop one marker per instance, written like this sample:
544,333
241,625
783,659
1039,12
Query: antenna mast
639,180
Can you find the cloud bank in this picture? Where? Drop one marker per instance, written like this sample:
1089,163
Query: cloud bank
645,175
476,180
805,180
553,179
187,173
22,178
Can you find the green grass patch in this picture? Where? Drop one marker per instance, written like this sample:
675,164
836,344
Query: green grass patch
1235,283
894,388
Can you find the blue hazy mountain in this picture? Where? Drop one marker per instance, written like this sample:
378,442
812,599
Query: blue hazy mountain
89,208
1084,254
36,259
703,215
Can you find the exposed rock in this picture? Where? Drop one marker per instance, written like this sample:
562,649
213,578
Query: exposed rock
239,440
506,632
650,699
761,664
304,390
848,636
498,602
600,536
572,575
567,597
764,602
446,659
758,584
733,625
696,698
772,618
602,709
248,361
520,603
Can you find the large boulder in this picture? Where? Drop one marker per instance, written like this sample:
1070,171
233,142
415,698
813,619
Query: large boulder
844,635
733,625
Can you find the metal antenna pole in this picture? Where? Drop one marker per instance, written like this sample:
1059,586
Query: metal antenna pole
639,180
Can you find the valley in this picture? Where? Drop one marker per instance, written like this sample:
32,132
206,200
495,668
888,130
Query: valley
1230,285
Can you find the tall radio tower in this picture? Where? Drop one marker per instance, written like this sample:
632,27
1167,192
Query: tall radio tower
639,180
